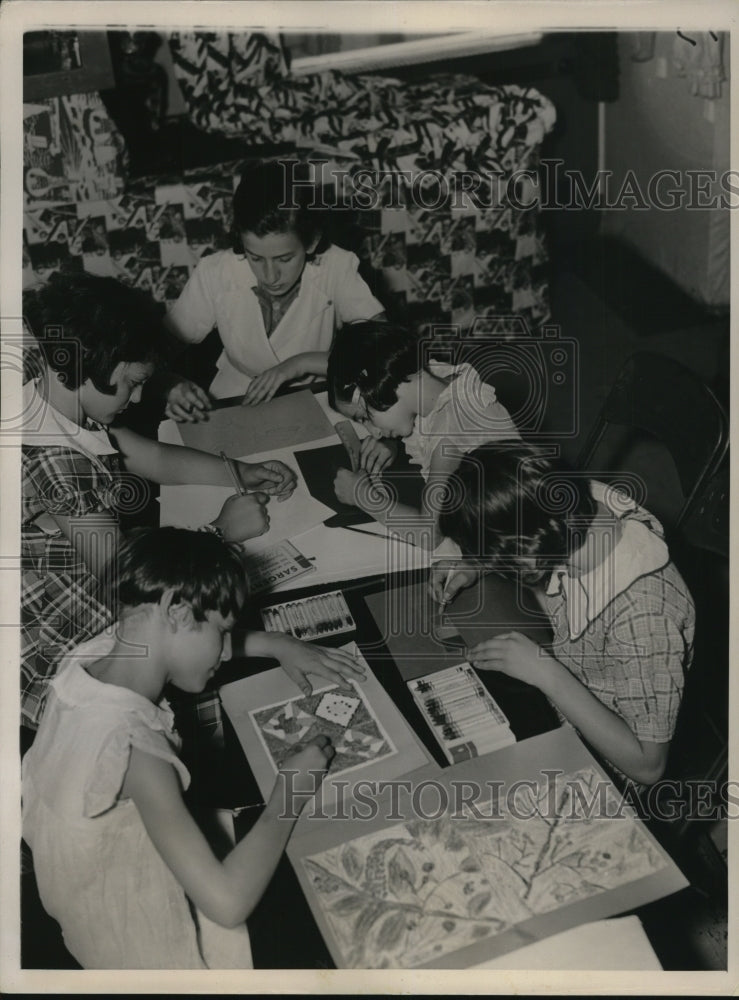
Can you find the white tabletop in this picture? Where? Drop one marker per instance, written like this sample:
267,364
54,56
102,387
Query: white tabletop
339,553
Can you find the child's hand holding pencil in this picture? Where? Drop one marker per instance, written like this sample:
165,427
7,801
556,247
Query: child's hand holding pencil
272,477
448,577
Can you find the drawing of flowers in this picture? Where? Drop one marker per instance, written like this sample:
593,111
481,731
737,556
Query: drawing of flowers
410,894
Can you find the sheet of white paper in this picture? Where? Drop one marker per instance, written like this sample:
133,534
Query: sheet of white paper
341,554
190,506
620,944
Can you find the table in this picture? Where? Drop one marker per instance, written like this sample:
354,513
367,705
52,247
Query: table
340,554
273,926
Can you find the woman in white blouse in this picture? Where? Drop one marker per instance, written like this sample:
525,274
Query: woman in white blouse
277,297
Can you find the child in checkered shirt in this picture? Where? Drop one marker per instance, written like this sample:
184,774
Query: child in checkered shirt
100,341
622,617
119,860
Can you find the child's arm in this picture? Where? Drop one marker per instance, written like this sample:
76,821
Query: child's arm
97,537
516,655
226,892
417,525
177,465
298,659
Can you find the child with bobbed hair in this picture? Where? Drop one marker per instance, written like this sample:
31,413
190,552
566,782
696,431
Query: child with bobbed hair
99,341
277,297
622,616
119,860
385,377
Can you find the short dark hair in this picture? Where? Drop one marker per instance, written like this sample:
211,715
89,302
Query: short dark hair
268,200
374,357
86,325
204,571
514,504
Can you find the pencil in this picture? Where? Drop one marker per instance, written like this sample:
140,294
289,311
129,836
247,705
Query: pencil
234,478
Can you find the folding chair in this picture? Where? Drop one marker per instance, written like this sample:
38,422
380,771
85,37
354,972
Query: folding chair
656,399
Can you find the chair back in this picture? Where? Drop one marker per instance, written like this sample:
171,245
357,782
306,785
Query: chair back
657,399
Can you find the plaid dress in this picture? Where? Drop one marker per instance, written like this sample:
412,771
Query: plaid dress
626,629
61,601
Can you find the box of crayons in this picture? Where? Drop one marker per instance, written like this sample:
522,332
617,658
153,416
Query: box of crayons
311,617
462,714
269,568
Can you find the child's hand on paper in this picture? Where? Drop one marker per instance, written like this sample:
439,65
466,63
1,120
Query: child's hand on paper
448,577
298,659
346,484
264,386
273,477
243,517
303,772
187,403
513,654
376,454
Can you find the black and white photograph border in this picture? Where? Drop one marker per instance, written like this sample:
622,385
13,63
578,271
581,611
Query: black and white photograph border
596,259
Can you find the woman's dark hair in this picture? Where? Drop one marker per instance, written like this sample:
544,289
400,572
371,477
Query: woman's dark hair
277,197
85,325
374,357
204,571
510,504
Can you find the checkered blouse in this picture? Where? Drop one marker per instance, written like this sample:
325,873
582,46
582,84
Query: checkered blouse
61,601
629,638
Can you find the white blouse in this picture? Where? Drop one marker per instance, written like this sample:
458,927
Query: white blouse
219,293
467,414
98,873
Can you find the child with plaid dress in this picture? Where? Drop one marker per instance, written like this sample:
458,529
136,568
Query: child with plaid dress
99,342
622,616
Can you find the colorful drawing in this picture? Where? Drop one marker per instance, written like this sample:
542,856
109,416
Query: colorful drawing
409,894
284,728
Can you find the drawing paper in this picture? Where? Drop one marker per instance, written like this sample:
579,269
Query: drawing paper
272,719
320,465
422,637
548,847
191,506
409,622
246,430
